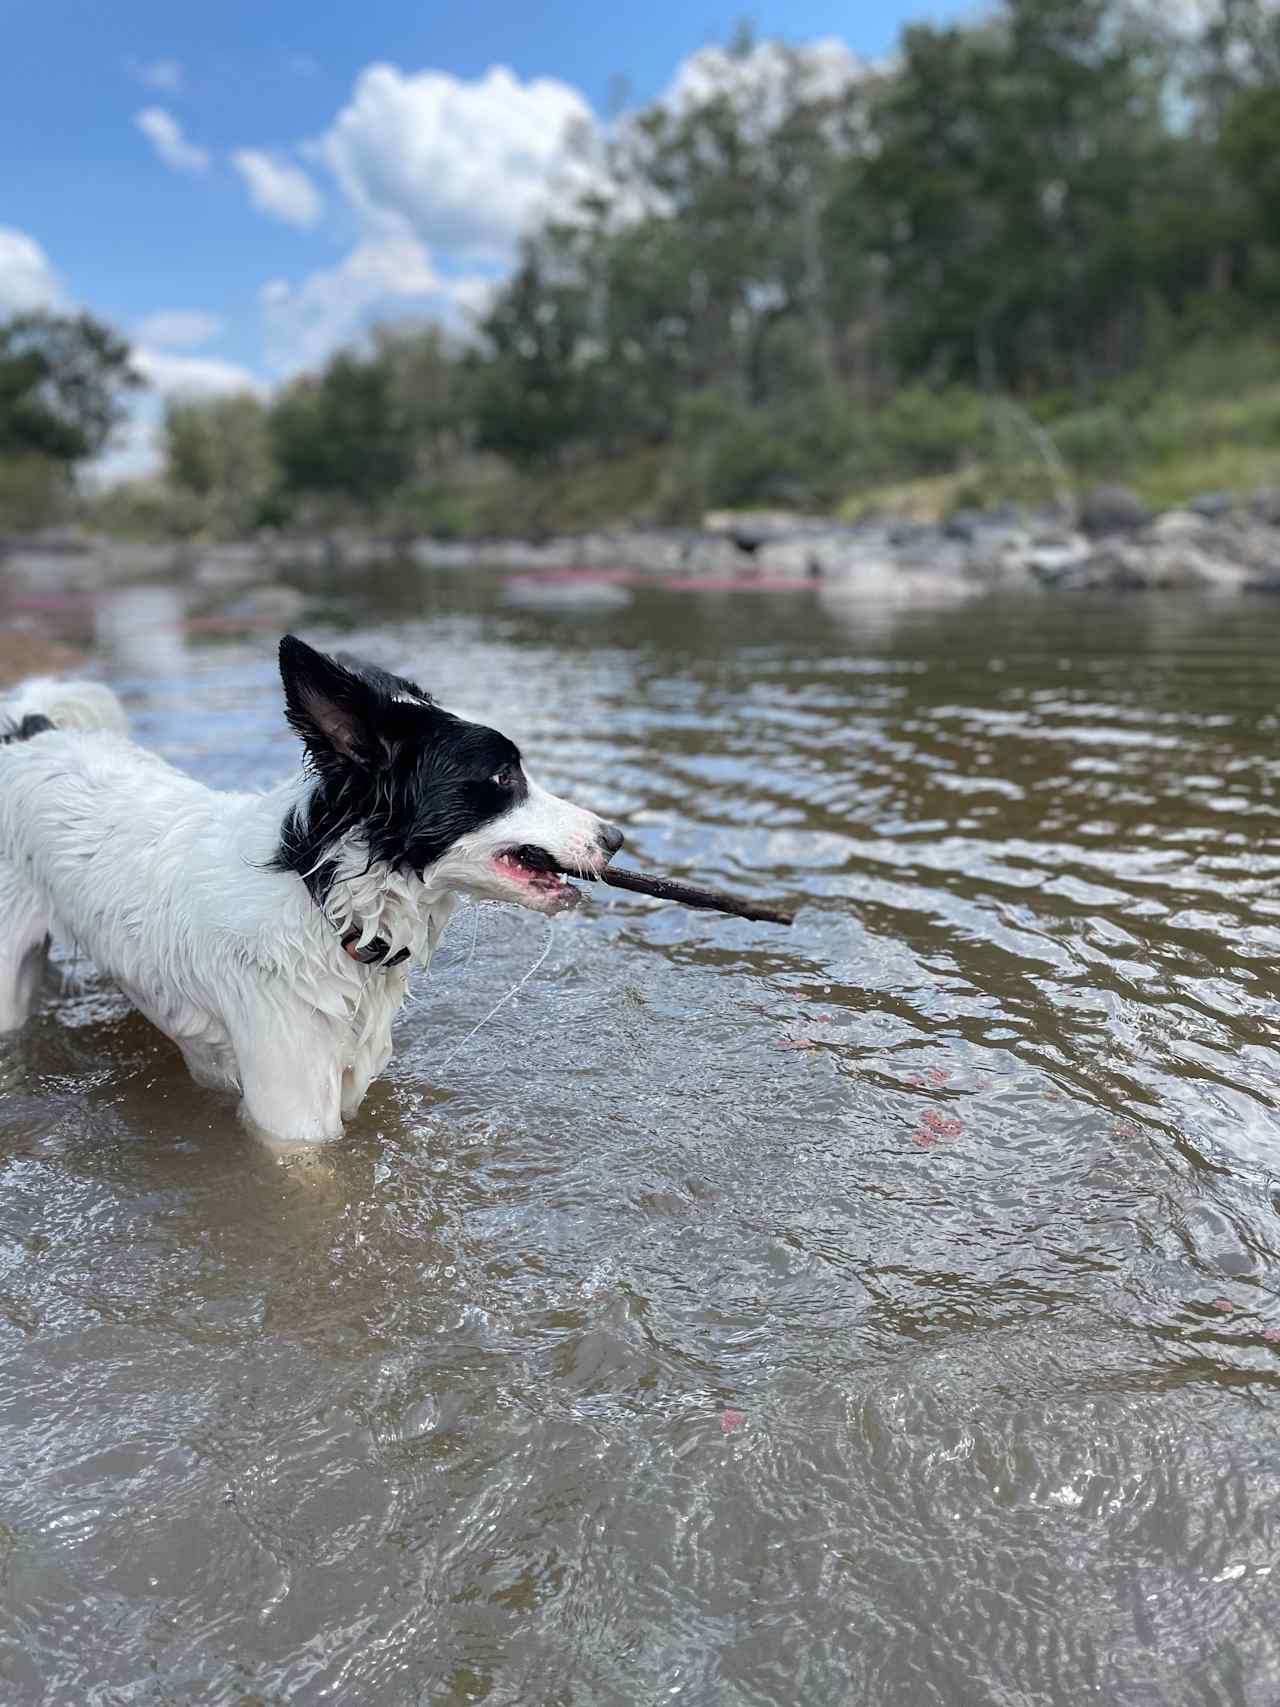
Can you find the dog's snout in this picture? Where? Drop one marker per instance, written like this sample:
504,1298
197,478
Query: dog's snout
610,838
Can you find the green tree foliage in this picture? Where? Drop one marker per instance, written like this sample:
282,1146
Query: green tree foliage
1006,192
340,433
219,451
62,384
1250,147
1026,205
534,394
431,393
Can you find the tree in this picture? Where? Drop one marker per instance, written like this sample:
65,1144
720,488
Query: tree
63,379
1013,160
341,434
218,450
431,387
534,394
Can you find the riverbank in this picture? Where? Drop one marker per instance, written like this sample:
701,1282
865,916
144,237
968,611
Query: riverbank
1219,543
1115,544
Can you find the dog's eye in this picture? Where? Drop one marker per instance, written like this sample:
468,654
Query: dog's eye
505,778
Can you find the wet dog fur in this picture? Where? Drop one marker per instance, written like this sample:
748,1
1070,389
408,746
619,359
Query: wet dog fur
271,935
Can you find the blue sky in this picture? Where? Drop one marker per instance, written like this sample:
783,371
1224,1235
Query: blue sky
241,186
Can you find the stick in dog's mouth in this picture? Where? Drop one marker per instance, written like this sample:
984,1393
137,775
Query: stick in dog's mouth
688,895
536,867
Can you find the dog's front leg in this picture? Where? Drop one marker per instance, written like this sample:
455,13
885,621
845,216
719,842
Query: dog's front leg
369,1060
23,950
290,1079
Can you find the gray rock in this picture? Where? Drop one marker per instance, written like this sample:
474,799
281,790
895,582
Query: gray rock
1151,565
1049,561
896,558
970,525
1266,505
1213,505
966,525
1235,542
818,554
1113,510
1180,524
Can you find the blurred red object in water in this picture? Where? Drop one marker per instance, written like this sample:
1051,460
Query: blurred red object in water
943,1124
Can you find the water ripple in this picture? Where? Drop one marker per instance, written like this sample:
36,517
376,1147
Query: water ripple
887,1311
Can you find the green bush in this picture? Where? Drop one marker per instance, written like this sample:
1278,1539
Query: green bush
34,493
925,431
439,512
1099,442
143,509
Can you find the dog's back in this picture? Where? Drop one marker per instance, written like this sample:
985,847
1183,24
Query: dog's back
157,879
83,706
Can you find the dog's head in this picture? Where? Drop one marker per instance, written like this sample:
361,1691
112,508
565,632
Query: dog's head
427,793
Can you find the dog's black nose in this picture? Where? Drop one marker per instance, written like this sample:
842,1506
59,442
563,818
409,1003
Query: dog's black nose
610,838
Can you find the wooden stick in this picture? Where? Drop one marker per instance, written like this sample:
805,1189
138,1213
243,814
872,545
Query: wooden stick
711,900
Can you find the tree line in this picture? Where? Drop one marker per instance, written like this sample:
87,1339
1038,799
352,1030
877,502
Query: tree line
783,291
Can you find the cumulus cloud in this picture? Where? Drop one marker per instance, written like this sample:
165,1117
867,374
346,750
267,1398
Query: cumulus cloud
178,329
462,165
191,376
164,133
472,294
278,188
27,279
442,175
165,74
305,322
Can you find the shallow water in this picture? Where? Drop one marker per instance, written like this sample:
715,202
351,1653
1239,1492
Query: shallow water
887,1311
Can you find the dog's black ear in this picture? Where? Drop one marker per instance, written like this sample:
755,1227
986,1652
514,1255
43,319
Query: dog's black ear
336,712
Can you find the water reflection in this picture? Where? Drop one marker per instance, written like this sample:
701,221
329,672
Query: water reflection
140,629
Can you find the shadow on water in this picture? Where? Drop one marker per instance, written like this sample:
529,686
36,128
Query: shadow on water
886,1311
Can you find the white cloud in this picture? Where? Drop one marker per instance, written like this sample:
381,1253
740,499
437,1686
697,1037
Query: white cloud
279,188
305,322
178,329
163,74
27,279
191,376
472,294
443,175
463,166
164,133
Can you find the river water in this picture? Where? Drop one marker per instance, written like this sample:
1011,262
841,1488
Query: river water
885,1311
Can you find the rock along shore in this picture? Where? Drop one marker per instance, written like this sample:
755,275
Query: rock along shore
1217,544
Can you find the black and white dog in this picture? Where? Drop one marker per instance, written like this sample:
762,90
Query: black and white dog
270,936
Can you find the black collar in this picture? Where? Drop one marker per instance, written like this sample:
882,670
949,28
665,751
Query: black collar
373,953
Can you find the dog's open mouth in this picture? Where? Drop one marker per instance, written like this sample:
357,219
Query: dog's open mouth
539,875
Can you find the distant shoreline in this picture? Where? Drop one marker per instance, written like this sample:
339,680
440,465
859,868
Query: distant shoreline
1218,543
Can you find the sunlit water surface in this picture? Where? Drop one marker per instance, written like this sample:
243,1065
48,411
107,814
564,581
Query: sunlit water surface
885,1311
